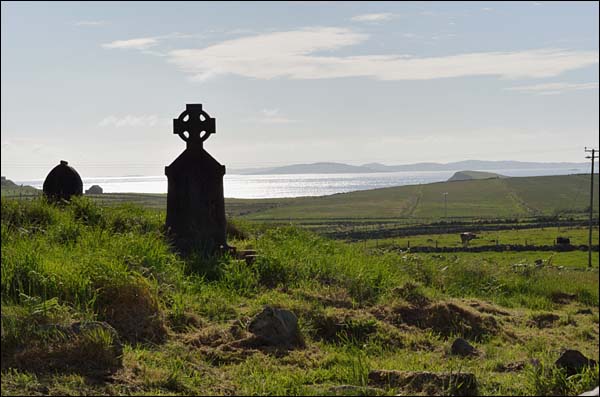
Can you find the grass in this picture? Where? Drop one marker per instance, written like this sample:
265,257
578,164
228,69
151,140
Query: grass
505,197
486,198
359,309
534,237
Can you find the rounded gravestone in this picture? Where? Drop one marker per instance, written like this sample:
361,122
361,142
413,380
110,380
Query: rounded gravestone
63,182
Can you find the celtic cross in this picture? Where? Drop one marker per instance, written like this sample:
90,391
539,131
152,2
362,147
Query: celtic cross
194,121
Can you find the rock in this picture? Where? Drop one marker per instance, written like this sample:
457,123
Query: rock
573,361
432,384
276,327
461,347
592,393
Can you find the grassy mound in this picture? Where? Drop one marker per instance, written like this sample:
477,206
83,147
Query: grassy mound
89,291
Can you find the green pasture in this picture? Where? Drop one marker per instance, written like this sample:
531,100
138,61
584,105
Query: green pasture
505,197
538,236
566,195
181,319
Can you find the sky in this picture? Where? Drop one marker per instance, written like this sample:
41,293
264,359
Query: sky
99,83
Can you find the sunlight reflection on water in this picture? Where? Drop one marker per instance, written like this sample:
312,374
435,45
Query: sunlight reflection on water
276,186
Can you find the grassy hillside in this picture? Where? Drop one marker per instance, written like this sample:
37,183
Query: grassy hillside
9,188
492,198
509,197
183,322
469,175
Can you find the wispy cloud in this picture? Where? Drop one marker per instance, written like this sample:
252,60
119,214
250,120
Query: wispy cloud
271,116
130,121
143,43
553,88
290,54
385,16
135,44
91,23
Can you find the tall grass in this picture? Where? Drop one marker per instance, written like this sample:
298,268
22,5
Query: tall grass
80,261
70,251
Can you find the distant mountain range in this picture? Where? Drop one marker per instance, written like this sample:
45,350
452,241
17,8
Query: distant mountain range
340,168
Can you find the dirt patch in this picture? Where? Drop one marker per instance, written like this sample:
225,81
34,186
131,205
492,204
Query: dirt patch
329,297
211,336
445,318
342,325
426,383
133,310
562,298
184,321
543,320
90,348
411,293
518,365
484,307
230,343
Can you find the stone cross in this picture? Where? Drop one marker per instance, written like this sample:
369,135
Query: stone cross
195,201
194,121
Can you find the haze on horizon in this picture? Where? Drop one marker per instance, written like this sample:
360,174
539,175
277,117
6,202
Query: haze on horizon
98,84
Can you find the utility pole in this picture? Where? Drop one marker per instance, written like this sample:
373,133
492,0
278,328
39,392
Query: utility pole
593,157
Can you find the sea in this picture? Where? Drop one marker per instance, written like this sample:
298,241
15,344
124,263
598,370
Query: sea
298,185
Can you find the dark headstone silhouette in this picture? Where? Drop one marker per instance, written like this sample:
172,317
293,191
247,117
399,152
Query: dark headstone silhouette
63,182
195,202
94,189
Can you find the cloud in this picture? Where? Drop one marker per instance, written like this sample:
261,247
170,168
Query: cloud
130,121
271,116
553,88
291,54
91,23
386,16
143,43
136,44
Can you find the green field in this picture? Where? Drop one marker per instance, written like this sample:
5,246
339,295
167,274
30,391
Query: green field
535,236
487,198
183,320
509,197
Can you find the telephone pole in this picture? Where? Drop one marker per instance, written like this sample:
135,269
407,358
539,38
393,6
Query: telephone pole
593,157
